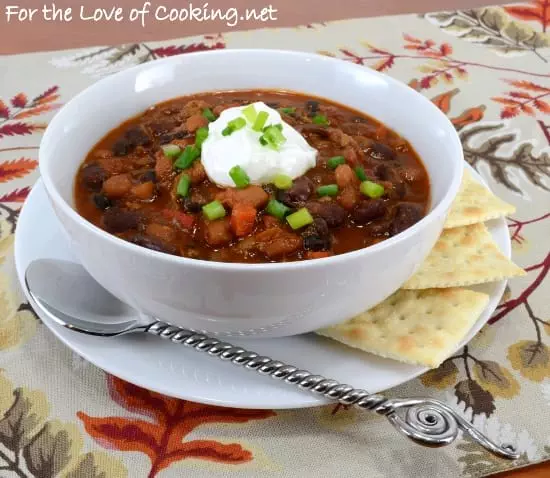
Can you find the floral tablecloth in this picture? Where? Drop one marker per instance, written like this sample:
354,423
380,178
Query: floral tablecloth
488,71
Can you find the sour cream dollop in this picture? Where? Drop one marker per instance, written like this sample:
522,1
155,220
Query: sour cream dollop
243,148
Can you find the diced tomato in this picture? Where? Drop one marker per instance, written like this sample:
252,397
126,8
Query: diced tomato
317,254
186,221
243,218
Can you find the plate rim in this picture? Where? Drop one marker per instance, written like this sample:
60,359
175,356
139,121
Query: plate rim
307,402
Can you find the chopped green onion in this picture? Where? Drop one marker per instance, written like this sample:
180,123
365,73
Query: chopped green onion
360,173
182,188
273,137
200,137
171,150
277,209
250,113
321,120
299,219
263,141
213,210
328,190
288,111
372,190
208,114
190,153
282,181
239,177
234,125
336,161
260,121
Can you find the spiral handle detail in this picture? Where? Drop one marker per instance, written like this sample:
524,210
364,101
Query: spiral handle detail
428,422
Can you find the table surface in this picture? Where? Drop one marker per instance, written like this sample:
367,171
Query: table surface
40,36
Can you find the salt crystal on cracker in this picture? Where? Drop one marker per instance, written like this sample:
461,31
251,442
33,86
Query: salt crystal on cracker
415,326
463,256
475,203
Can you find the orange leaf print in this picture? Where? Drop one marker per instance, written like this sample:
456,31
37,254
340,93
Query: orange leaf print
471,115
443,101
542,106
509,112
162,439
383,65
411,39
19,100
16,168
528,85
4,110
445,49
538,10
528,100
37,110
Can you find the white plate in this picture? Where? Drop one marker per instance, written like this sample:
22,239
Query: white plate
173,370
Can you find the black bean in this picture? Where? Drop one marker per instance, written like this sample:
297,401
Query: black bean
382,172
382,151
331,212
120,220
368,210
162,127
192,206
298,193
92,176
315,242
148,176
136,136
101,201
406,215
122,147
167,138
273,104
153,244
269,189
321,226
312,107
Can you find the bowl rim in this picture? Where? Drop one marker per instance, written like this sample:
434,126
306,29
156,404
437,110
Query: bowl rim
100,234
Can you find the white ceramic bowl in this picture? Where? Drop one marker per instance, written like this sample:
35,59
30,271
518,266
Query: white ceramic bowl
267,300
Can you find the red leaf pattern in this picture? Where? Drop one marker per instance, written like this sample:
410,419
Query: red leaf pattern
15,129
162,438
47,97
17,195
19,100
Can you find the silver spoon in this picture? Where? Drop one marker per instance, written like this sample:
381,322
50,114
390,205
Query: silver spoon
426,421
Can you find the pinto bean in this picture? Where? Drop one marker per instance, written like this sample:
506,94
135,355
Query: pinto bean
163,167
276,243
117,186
218,233
253,195
348,197
345,176
195,122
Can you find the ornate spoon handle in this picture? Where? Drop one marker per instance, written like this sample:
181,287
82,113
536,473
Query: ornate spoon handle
426,421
